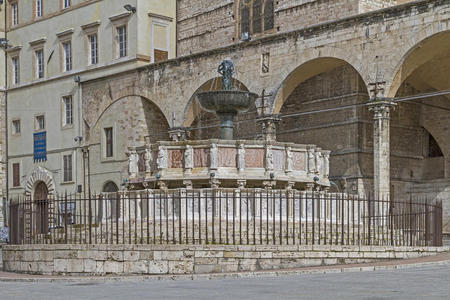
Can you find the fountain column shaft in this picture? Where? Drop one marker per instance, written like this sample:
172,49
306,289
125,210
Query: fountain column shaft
226,126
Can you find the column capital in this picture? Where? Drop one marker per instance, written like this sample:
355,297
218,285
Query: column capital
179,133
269,126
381,107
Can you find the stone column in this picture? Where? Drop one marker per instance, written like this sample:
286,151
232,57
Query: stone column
381,146
269,127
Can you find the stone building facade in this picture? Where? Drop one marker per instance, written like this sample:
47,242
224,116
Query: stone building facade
55,46
314,63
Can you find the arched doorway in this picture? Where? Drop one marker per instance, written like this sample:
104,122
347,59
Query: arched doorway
41,207
112,200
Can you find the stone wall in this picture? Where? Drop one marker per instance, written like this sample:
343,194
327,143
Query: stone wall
208,24
190,259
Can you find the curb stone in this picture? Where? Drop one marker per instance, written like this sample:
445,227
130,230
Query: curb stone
256,274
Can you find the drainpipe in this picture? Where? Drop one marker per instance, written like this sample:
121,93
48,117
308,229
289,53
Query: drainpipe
6,119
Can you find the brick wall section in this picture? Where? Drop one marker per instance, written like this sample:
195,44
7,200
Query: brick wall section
201,259
208,24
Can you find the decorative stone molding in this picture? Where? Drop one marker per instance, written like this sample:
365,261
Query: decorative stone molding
241,183
40,174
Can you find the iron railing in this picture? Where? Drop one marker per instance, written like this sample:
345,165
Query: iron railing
225,216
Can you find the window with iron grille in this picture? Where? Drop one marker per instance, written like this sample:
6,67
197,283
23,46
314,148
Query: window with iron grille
256,16
122,40
16,174
67,51
93,49
16,70
109,142
68,111
15,126
67,167
39,9
40,123
14,14
39,63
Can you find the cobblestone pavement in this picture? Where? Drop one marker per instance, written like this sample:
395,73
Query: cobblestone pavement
431,282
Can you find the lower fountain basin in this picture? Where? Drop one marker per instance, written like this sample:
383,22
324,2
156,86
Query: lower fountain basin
226,101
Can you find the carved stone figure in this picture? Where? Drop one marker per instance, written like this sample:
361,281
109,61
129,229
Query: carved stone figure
241,157
214,156
162,160
326,165
148,159
189,157
269,158
319,162
289,160
226,69
311,161
133,163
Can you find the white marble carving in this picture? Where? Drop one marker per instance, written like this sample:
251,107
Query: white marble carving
311,161
148,159
319,162
163,160
133,163
241,157
289,160
326,161
189,157
214,157
269,158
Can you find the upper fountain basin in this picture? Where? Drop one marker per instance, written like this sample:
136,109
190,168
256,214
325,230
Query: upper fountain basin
225,101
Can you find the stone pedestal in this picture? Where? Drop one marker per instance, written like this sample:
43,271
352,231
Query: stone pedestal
381,146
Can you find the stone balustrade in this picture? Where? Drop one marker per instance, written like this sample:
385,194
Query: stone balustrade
224,163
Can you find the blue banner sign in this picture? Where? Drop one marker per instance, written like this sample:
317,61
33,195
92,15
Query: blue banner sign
40,146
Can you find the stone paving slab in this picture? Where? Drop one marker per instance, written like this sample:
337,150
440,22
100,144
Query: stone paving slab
441,259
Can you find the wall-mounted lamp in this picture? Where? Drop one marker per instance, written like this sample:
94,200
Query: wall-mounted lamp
3,43
130,8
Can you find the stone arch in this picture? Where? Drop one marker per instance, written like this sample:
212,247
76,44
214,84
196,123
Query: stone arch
124,93
423,48
110,186
193,108
308,68
40,174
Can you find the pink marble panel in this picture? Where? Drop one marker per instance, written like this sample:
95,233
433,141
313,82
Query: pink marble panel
201,158
254,158
299,159
227,157
278,159
176,158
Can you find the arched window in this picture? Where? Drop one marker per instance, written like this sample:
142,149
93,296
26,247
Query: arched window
256,16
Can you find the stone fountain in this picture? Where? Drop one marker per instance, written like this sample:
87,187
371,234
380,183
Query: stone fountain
226,103
226,162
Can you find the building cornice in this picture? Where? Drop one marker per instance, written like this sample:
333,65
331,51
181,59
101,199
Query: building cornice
65,33
161,17
120,16
38,42
90,25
